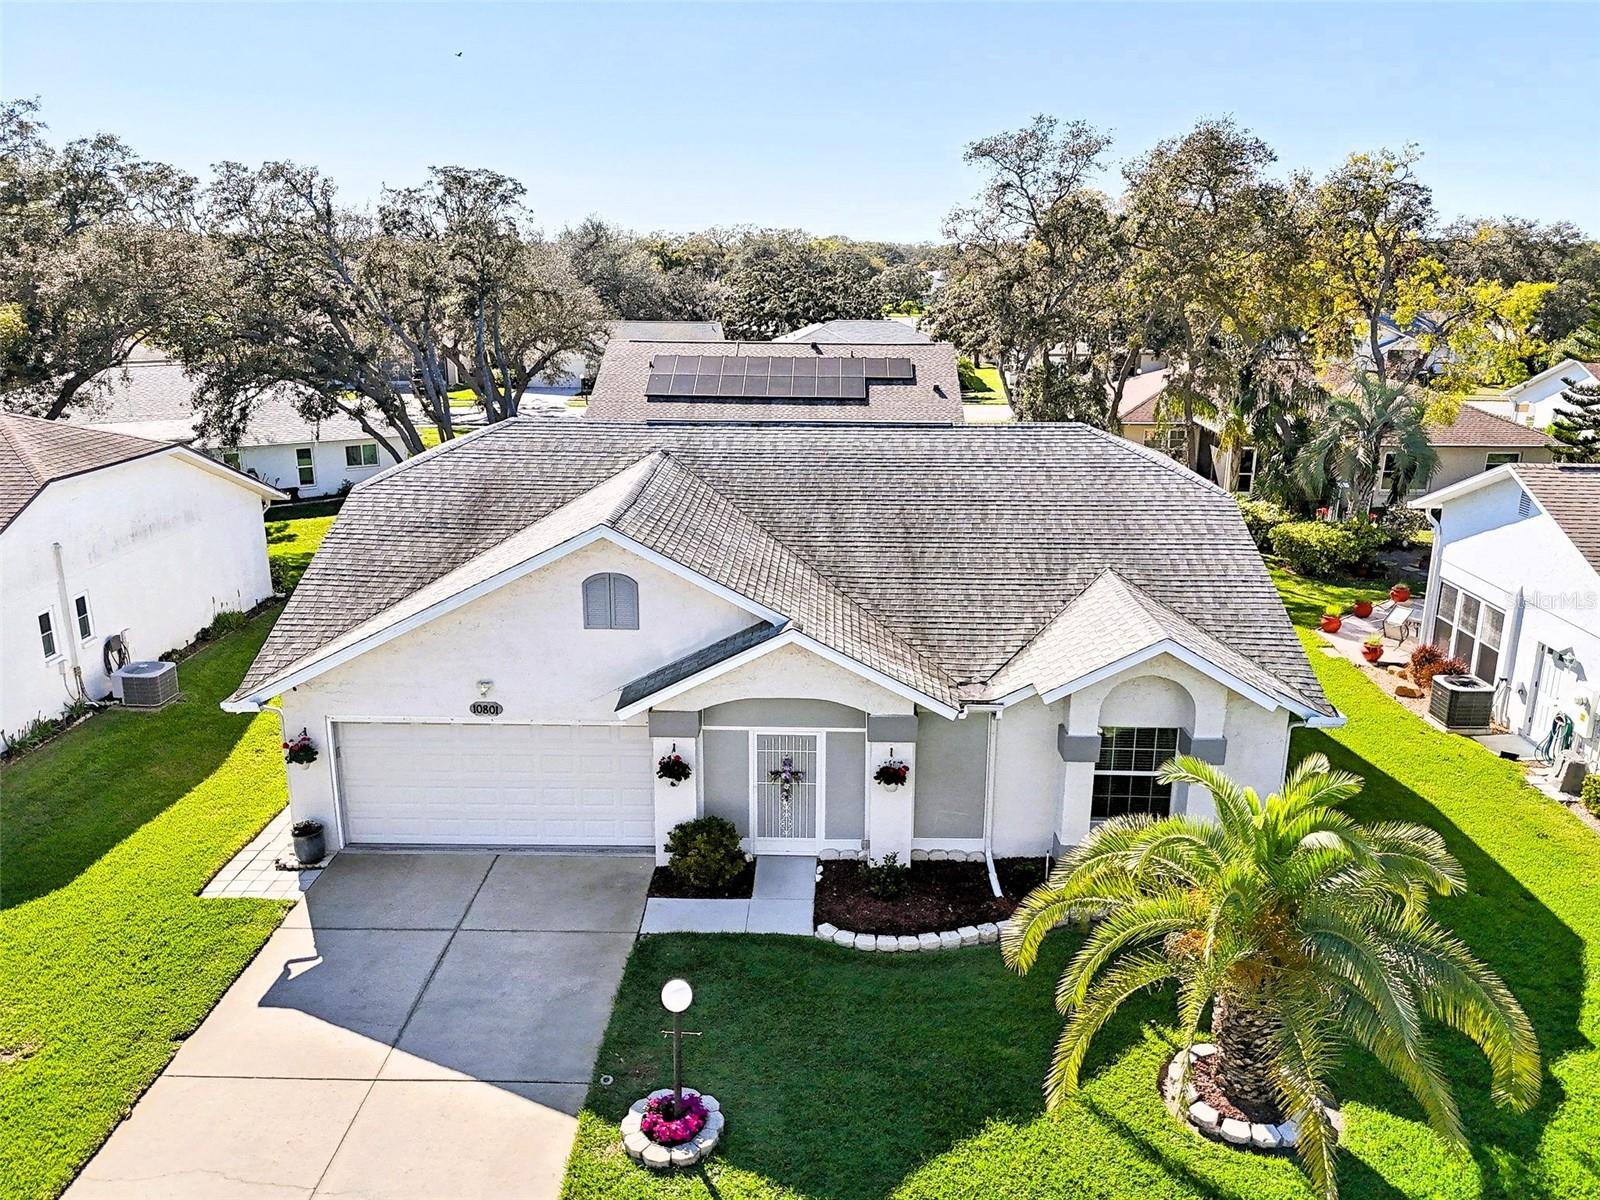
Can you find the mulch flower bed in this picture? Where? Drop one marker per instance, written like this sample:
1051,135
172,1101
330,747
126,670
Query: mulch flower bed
667,885
1203,1075
938,896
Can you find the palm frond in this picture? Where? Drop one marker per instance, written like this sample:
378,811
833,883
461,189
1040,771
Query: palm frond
1133,974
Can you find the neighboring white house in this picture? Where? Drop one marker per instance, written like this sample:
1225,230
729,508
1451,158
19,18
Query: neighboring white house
101,535
1537,401
568,378
153,397
1514,590
973,601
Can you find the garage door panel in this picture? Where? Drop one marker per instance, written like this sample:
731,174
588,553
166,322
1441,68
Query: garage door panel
496,784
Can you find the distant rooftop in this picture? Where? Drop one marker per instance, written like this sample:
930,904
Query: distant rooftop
888,331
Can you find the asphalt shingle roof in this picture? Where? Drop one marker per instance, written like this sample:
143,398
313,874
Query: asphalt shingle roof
1570,493
35,452
933,554
666,331
933,398
1475,427
1110,620
691,665
154,397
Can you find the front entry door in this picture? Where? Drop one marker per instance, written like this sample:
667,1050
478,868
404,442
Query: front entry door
786,777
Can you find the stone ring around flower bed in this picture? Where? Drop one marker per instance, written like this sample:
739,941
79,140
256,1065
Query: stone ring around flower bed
1206,1120
659,1157
889,943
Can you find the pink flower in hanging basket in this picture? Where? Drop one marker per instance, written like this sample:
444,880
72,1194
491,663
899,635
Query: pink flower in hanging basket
667,1123
673,769
892,773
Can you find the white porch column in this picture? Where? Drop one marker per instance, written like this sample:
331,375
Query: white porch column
891,811
674,733
1078,743
1208,744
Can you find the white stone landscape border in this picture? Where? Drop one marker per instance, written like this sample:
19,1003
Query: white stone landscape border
1208,1122
889,943
686,1154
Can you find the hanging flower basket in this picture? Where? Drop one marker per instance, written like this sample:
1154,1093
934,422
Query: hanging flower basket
300,750
673,768
892,773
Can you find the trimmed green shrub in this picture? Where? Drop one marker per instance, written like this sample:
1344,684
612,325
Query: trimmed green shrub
704,852
887,878
1591,792
1316,549
1261,517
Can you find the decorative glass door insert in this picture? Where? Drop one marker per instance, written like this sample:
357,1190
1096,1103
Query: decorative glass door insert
785,780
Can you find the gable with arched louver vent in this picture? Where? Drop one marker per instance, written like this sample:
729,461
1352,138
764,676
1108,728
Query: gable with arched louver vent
610,601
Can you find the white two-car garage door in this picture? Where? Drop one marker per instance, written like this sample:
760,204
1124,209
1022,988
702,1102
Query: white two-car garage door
496,785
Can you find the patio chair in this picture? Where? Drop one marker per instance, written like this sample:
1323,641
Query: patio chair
1400,623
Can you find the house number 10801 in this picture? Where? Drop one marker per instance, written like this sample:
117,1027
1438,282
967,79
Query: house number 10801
486,708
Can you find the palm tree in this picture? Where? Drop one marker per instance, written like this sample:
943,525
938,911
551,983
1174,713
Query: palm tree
1303,929
1355,433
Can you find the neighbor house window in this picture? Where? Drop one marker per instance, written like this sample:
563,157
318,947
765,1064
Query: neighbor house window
1470,629
1500,458
230,458
1387,473
364,455
47,635
610,601
1246,478
80,614
303,465
1125,776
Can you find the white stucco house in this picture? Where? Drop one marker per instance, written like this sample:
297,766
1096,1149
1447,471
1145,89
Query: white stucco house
1537,401
153,397
973,601
105,535
1514,590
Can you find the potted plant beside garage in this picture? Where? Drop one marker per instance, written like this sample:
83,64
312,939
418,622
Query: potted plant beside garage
300,750
309,844
673,768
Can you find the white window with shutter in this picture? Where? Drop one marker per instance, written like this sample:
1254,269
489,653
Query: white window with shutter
610,601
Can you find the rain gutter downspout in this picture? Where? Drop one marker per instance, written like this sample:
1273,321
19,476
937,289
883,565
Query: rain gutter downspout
69,630
988,799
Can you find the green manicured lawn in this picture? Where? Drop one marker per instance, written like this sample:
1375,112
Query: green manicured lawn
1307,598
291,543
109,958
849,1076
983,385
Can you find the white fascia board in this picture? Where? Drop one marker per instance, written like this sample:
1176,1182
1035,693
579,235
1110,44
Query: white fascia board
211,466
335,654
1205,666
789,637
1470,484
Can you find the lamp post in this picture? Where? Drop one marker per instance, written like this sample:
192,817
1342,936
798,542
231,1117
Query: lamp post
676,996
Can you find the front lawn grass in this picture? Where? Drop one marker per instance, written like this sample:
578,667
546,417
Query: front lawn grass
109,958
848,1076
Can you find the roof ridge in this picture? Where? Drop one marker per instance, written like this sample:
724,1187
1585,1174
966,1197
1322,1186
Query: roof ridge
22,450
667,460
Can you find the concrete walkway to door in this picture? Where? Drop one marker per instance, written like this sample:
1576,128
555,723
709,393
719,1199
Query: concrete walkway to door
422,1025
780,902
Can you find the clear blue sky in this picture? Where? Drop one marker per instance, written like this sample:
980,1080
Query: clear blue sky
834,118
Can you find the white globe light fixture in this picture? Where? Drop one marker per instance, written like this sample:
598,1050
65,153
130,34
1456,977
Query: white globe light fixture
676,995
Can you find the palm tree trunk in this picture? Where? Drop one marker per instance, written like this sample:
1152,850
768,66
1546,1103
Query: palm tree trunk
1245,1031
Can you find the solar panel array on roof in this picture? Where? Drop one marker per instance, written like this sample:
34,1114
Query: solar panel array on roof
770,377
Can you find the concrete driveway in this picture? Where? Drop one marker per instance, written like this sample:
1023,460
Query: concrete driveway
422,1025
